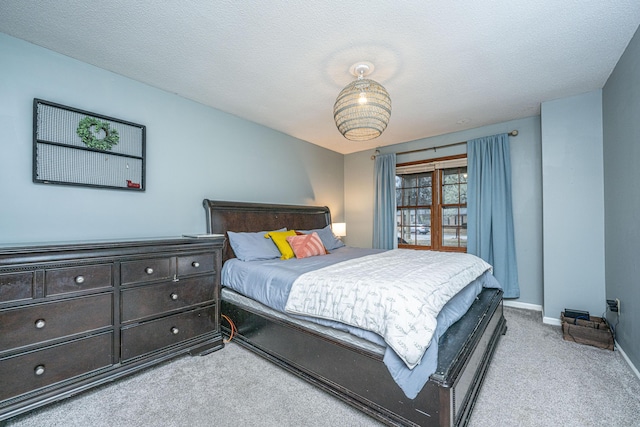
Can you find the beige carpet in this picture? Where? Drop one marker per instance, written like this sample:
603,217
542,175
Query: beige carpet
536,379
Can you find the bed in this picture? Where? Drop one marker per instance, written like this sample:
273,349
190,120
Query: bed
351,368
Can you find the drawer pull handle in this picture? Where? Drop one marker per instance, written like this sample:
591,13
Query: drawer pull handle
195,264
40,323
174,296
149,270
79,280
39,370
175,330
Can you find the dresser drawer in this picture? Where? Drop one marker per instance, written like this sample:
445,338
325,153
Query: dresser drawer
156,334
62,307
193,264
37,369
145,270
42,322
156,299
16,286
74,279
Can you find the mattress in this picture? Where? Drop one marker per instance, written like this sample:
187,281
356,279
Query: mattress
229,295
264,285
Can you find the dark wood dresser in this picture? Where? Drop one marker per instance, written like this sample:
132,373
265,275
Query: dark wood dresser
79,314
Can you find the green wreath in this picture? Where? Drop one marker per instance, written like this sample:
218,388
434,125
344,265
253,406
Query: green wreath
88,136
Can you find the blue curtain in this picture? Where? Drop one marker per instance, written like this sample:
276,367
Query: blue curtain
489,211
384,216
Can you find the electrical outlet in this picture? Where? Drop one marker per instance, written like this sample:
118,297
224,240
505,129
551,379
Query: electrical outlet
614,305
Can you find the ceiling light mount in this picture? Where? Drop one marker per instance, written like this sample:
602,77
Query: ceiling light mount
363,108
361,69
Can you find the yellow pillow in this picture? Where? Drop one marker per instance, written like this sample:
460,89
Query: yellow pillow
280,239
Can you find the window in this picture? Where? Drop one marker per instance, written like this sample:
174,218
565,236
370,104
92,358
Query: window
431,199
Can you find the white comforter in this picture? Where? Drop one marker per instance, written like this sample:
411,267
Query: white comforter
396,294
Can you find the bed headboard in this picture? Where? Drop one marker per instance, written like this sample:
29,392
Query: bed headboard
225,216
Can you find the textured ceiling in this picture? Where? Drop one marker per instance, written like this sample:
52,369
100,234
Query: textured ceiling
448,65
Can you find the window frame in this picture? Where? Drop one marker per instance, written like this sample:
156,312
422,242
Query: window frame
437,166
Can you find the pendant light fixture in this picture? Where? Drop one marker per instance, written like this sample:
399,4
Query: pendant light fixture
363,107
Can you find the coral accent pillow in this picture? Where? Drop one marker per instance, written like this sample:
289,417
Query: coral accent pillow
280,239
300,233
306,245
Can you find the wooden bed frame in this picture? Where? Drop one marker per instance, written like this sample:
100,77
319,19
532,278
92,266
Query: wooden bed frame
356,376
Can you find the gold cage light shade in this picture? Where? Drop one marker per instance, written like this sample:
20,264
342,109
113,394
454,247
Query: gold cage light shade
362,109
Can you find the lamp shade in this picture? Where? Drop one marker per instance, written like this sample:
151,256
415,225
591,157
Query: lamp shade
339,229
362,110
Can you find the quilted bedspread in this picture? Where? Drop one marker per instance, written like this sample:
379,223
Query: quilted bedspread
396,294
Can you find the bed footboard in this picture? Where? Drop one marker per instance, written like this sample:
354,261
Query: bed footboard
361,379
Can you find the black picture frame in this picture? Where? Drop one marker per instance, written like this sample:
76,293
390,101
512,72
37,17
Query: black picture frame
62,157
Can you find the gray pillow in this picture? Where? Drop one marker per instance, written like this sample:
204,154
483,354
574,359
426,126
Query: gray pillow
253,246
329,240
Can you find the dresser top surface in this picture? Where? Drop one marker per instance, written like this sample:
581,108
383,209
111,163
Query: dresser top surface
104,247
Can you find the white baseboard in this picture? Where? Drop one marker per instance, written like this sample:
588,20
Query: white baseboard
535,307
552,321
626,358
525,305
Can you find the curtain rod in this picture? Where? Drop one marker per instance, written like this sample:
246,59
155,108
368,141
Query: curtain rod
512,133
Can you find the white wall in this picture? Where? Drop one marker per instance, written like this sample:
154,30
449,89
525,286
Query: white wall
526,186
193,152
573,200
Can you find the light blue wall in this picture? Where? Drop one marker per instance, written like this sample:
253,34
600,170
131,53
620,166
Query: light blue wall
573,201
193,152
526,187
621,125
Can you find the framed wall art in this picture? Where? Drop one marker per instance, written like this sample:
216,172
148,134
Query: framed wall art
76,147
